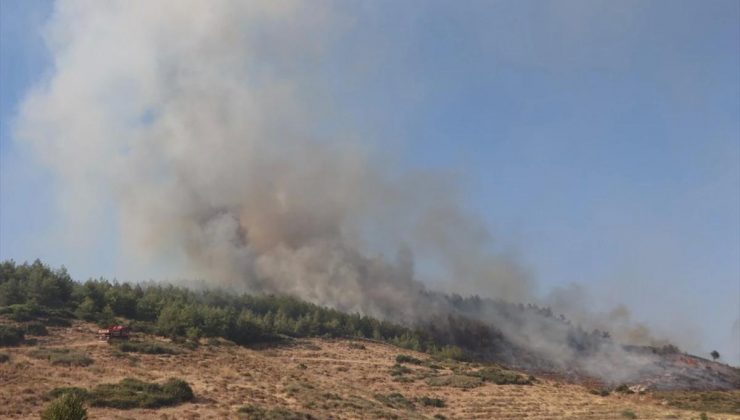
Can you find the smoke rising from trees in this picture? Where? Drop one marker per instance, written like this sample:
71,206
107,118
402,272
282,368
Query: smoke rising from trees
202,126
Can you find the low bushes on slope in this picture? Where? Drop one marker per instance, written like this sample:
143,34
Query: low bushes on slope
146,347
602,392
133,393
65,407
432,402
11,336
395,400
455,381
62,356
356,346
404,358
501,376
398,370
36,328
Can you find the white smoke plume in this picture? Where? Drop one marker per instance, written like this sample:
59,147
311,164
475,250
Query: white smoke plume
198,121
203,126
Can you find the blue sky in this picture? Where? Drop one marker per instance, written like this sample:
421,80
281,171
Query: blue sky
599,140
25,196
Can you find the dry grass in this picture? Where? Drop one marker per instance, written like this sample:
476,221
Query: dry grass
253,412
317,378
709,401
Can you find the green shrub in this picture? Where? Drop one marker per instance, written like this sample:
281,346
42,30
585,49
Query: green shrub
398,370
133,393
432,402
432,365
629,414
502,377
11,336
104,318
601,392
57,321
253,412
455,381
449,352
36,328
62,356
403,358
623,389
145,327
189,344
147,347
178,389
67,407
395,400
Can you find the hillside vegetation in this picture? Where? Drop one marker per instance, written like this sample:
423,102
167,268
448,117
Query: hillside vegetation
214,354
30,292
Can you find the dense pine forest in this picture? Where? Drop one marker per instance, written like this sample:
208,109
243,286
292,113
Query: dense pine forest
37,292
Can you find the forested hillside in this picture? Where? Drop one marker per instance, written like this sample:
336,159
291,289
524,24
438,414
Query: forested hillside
36,291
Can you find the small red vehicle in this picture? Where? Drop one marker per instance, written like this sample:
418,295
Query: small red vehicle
118,332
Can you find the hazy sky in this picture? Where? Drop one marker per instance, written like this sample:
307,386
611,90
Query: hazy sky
599,140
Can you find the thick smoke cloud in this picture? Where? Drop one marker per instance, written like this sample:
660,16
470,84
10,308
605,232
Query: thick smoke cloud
202,127
198,122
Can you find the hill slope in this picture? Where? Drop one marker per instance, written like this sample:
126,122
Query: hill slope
322,378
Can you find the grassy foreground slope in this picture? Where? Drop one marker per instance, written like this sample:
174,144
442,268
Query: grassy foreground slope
309,378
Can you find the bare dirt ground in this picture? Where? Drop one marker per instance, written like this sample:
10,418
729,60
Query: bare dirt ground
338,379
